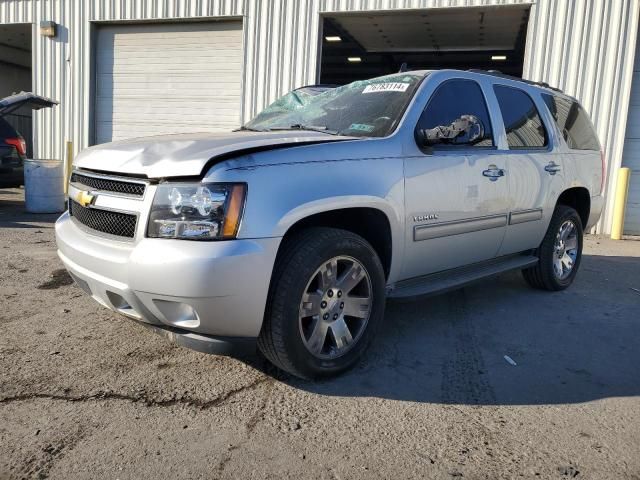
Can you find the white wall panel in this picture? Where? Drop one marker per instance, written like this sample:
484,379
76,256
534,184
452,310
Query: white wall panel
585,47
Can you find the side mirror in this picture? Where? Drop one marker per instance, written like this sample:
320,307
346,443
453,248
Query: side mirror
466,130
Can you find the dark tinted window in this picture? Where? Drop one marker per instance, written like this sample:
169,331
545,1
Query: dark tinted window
453,99
522,121
573,122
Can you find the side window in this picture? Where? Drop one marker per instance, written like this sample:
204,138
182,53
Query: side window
573,122
522,121
450,102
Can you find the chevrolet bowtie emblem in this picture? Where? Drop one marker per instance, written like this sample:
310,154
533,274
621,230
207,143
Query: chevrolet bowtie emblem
85,198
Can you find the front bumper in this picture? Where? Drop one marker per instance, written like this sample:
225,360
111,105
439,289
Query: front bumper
236,346
187,290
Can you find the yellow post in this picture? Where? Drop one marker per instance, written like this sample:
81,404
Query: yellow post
622,190
67,166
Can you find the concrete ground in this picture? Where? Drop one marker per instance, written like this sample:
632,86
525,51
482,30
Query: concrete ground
85,393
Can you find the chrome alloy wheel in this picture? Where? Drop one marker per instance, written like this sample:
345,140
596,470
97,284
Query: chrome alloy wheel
335,307
565,250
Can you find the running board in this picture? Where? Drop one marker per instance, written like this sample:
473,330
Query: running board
452,279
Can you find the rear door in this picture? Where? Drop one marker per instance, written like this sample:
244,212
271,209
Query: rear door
534,167
583,160
456,196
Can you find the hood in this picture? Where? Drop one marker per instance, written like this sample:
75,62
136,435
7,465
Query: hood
24,99
188,155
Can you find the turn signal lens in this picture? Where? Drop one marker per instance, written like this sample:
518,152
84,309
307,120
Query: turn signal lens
234,212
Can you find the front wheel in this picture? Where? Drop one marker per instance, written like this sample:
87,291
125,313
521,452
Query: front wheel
325,304
559,253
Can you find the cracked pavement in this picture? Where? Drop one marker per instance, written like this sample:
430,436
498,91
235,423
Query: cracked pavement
85,393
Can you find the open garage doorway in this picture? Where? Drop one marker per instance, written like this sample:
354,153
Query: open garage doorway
15,75
363,45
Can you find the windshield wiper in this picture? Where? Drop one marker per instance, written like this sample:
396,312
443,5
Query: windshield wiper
311,128
248,129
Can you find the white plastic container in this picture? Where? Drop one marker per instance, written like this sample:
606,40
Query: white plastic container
44,186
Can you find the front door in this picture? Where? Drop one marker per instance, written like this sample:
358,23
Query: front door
456,192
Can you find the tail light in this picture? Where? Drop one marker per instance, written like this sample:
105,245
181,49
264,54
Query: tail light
603,164
19,143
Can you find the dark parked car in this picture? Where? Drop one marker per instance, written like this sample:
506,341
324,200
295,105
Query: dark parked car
13,147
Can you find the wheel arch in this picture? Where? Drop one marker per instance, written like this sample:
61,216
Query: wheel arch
371,223
579,199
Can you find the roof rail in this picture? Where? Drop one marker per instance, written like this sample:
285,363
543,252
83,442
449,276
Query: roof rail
496,73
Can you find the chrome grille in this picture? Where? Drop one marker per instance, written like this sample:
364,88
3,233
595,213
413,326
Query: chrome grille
105,221
109,185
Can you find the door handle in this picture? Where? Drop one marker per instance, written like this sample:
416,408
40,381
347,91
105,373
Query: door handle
493,173
552,168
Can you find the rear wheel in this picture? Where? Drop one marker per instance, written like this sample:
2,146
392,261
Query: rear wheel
559,253
326,302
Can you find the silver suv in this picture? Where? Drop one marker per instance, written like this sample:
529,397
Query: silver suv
292,231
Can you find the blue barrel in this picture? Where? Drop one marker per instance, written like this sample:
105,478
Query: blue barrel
44,186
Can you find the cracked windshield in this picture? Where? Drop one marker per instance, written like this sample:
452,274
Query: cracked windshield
366,108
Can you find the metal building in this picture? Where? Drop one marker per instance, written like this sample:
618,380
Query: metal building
123,68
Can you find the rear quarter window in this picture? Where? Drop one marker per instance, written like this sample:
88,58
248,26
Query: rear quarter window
573,122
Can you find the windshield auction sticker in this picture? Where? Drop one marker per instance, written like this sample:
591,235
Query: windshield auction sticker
386,87
363,127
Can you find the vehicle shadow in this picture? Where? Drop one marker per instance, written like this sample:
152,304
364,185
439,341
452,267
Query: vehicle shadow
14,215
568,347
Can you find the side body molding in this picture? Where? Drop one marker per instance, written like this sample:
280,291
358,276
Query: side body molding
523,216
458,227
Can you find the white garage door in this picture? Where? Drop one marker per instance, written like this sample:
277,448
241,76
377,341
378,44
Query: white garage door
158,79
631,155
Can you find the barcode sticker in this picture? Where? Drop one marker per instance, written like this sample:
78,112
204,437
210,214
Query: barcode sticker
386,87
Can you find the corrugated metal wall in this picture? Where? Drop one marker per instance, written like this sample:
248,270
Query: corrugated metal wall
584,47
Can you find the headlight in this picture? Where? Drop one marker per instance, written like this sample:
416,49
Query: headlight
202,211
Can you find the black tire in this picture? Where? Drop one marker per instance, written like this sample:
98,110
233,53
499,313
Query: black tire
280,339
542,276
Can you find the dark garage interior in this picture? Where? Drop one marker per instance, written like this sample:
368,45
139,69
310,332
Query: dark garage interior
357,46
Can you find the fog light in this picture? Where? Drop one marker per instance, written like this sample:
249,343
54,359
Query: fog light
177,313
